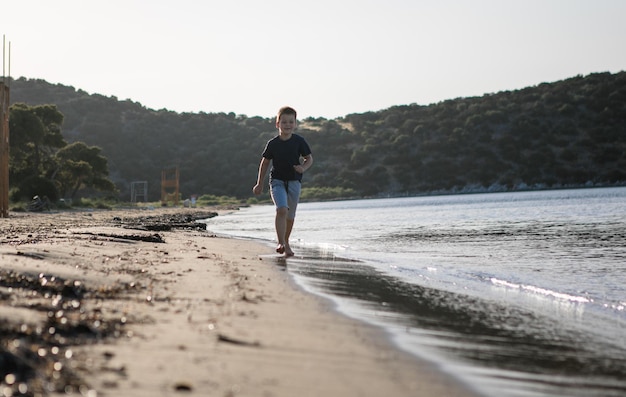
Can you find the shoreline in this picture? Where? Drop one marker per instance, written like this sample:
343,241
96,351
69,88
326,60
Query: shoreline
143,313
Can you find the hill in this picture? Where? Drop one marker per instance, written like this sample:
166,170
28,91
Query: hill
566,133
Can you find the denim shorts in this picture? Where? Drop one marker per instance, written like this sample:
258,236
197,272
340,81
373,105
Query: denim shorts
286,194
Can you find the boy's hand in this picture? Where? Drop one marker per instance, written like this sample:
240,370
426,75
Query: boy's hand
299,169
257,189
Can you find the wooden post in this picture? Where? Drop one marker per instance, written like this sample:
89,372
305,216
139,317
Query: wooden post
4,150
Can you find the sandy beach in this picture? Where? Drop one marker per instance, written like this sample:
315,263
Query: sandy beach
148,303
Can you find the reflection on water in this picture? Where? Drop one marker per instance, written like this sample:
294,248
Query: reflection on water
500,344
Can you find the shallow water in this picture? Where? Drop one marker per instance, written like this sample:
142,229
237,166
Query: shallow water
517,294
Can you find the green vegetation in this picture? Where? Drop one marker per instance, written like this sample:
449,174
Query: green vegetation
326,193
42,163
97,203
208,200
561,134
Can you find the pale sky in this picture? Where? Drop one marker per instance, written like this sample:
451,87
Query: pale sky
326,58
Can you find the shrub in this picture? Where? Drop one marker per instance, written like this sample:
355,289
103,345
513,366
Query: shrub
35,186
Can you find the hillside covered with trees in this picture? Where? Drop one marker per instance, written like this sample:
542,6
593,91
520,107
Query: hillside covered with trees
565,133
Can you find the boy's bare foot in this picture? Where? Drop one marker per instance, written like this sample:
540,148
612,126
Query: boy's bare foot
280,248
288,251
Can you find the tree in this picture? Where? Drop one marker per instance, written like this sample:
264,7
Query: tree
35,137
82,166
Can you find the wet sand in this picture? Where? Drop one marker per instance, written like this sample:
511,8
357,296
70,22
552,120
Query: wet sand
148,303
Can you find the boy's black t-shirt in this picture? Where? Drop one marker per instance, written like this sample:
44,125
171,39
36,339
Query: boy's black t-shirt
284,155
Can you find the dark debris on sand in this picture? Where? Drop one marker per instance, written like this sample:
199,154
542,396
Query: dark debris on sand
168,222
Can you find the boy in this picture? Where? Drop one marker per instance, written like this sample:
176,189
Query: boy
284,152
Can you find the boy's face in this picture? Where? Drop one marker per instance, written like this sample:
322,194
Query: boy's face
287,124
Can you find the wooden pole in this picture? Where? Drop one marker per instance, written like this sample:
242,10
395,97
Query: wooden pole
4,150
4,135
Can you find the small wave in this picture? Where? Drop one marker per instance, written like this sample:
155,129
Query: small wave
540,291
620,307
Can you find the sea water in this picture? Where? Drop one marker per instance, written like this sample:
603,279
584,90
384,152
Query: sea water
515,294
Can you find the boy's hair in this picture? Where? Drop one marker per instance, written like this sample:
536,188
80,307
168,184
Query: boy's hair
286,110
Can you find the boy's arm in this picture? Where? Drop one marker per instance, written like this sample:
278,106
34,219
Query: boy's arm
308,162
263,166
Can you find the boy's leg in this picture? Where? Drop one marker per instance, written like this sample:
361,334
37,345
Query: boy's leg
278,192
288,228
281,225
293,196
